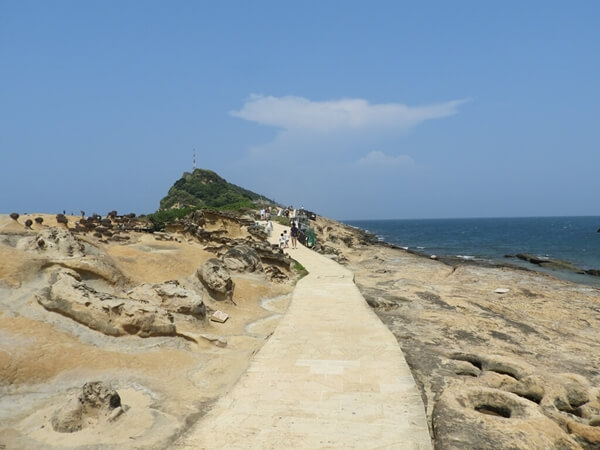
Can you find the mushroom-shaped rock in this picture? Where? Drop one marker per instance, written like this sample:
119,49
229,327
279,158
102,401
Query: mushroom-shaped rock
39,220
242,258
14,216
28,223
61,218
95,402
216,278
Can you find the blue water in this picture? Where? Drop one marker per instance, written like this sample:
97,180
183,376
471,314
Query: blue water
572,239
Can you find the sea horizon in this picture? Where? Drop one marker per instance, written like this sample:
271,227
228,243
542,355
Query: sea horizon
498,241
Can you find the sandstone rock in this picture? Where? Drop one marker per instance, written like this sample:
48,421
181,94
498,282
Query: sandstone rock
216,340
100,266
216,278
276,274
476,417
103,312
594,421
576,388
14,216
96,401
56,242
28,223
172,297
242,258
39,220
531,387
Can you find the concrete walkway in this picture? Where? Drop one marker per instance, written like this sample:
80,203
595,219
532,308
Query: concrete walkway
331,376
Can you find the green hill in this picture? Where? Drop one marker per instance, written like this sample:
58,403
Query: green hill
205,189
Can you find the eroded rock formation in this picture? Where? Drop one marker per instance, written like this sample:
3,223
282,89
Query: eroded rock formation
103,312
242,258
216,278
95,402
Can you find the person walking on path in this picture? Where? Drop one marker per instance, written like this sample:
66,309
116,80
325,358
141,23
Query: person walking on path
281,241
294,233
286,236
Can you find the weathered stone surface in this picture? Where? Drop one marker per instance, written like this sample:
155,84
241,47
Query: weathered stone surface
242,258
216,278
95,402
480,418
55,242
103,312
594,421
171,296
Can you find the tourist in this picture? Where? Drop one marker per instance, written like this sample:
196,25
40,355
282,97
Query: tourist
294,233
281,241
286,236
268,228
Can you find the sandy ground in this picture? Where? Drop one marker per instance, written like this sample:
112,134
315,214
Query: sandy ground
166,383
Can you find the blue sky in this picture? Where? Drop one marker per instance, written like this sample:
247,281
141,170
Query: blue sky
355,110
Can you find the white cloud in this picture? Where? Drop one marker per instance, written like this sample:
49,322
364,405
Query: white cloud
380,159
301,114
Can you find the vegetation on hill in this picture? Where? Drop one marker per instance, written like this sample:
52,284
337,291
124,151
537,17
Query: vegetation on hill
205,189
202,189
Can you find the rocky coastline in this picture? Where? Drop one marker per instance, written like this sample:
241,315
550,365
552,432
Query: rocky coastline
505,357
107,337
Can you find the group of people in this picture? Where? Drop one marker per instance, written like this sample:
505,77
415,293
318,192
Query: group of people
265,214
284,238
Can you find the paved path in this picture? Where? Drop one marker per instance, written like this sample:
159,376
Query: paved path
331,376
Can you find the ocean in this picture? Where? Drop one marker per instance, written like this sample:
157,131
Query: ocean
572,239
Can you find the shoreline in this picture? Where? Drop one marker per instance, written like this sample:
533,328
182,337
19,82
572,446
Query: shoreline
484,341
476,338
564,275
518,257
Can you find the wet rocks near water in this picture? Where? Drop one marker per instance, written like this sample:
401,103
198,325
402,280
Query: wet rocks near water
554,264
95,402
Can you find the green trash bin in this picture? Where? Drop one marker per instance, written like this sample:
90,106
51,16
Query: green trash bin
310,238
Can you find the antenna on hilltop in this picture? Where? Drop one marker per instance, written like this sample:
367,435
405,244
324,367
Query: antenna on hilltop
194,159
